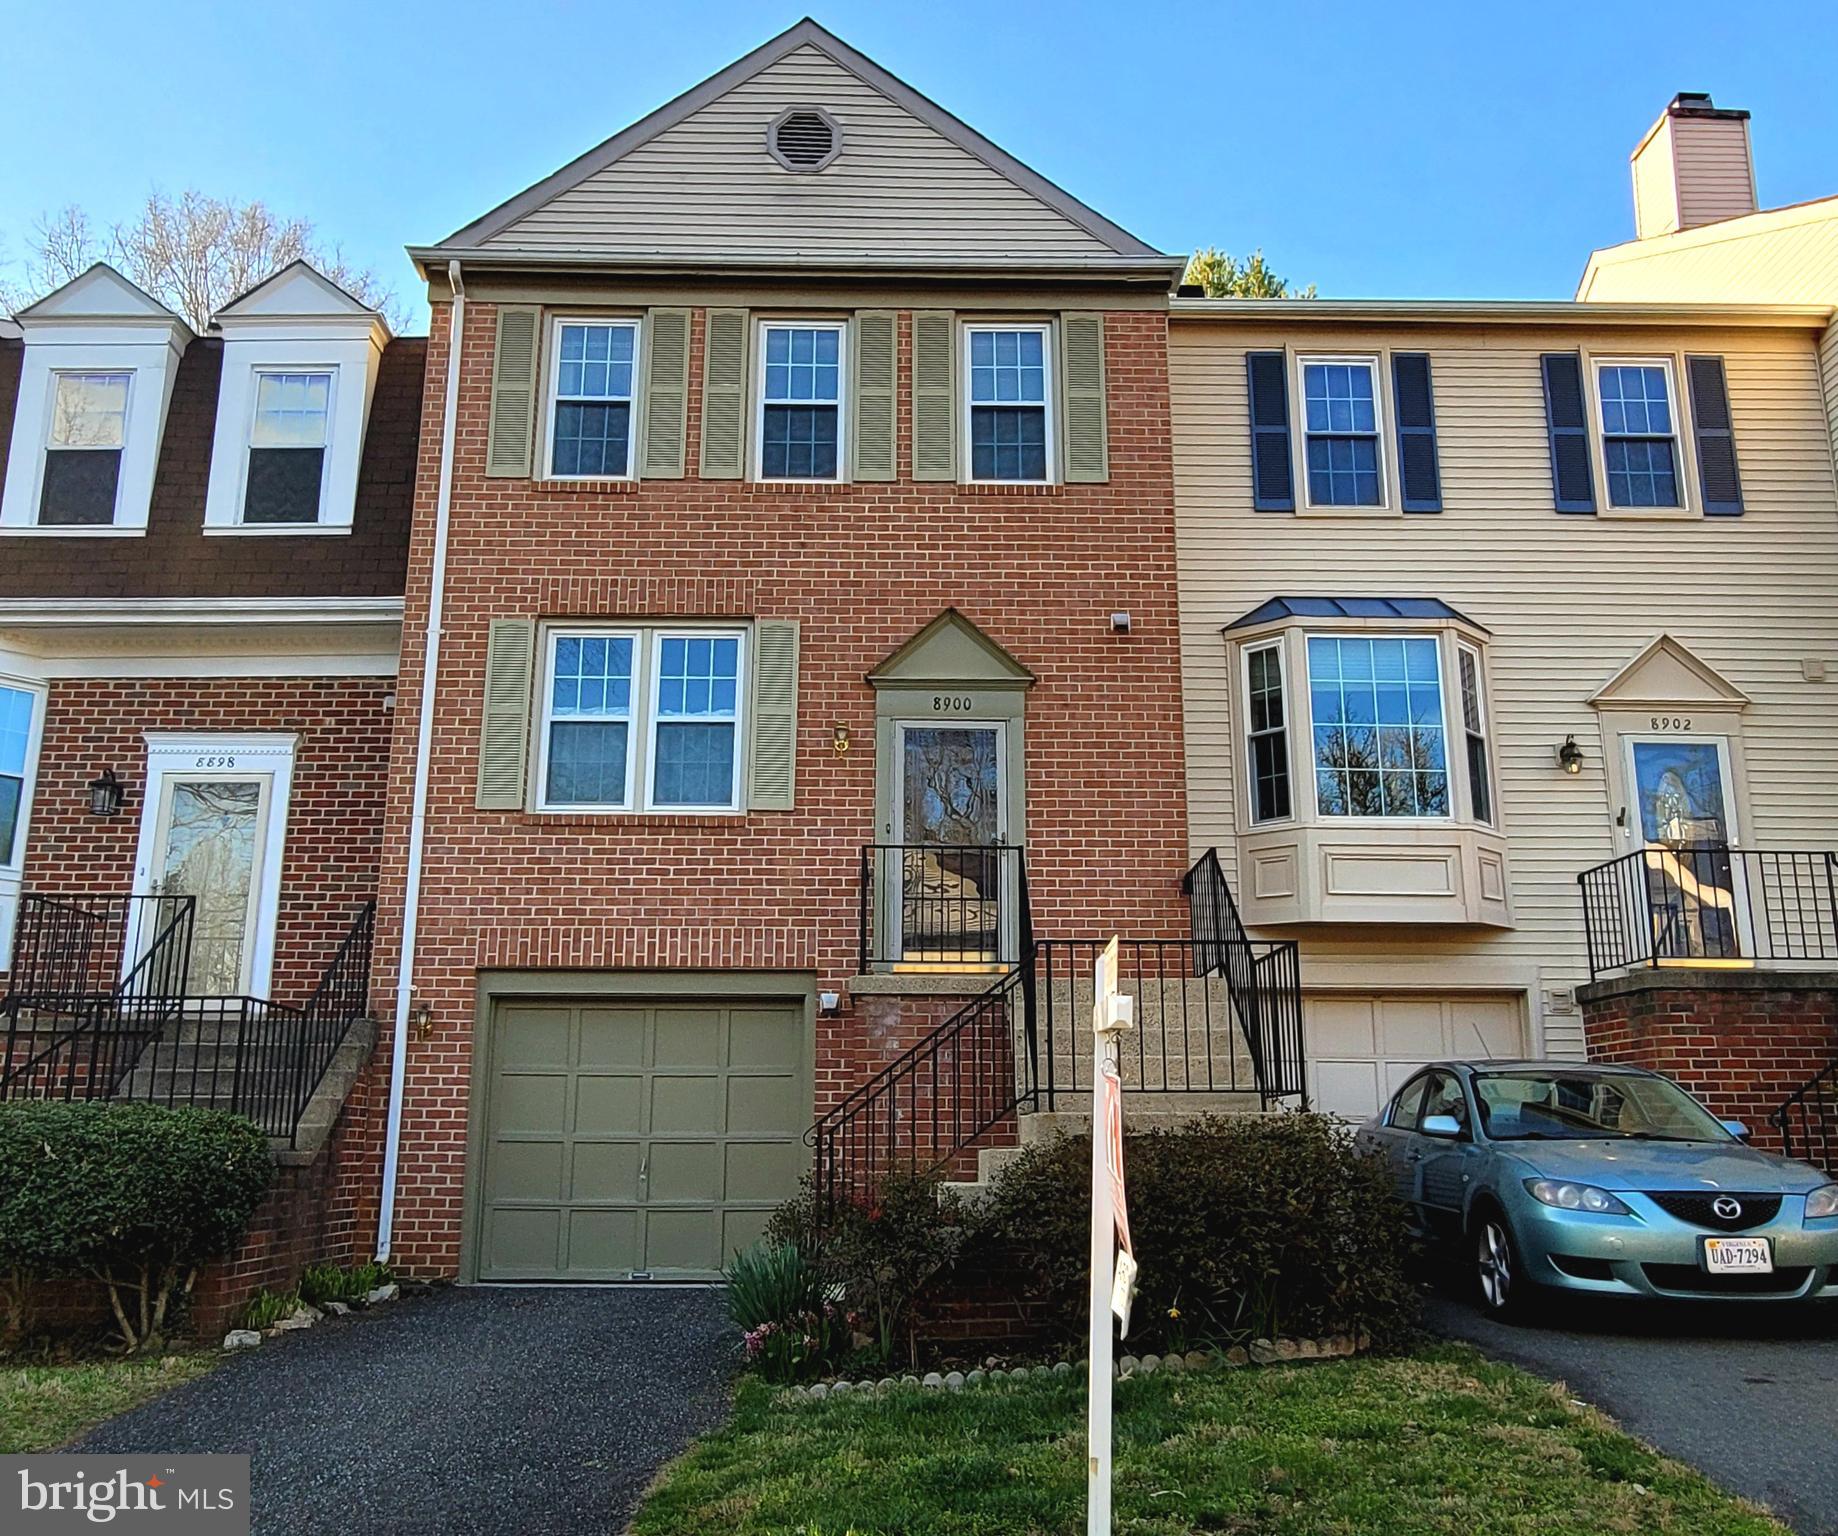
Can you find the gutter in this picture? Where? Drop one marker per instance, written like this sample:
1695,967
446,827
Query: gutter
424,747
1500,312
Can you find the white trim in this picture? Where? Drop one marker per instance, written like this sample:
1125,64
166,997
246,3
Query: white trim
271,530
552,353
1049,390
1483,705
1675,409
66,612
736,804
1321,817
12,872
892,913
844,469
552,638
226,755
75,531
299,664
1635,830
1375,363
1276,644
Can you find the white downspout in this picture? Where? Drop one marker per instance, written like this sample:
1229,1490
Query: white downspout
424,746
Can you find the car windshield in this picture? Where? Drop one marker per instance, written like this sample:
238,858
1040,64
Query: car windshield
1578,1105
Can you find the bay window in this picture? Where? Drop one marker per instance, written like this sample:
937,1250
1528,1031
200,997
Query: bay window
641,719
1267,733
1376,705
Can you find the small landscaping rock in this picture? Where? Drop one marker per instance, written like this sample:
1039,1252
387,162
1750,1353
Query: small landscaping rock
383,1293
998,1374
865,1388
1064,1368
975,1378
241,1338
1287,1349
954,1381
933,1380
1263,1352
1199,1360
1307,1349
1174,1363
841,1389
819,1392
338,1308
300,1317
1237,1355
1151,1364
1129,1365
909,1381
1019,1373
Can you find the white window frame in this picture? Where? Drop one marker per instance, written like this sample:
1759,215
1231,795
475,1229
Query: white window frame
653,719
642,719
551,399
328,448
1675,407
1049,403
1276,645
1321,817
760,402
1483,706
46,447
1368,360
12,870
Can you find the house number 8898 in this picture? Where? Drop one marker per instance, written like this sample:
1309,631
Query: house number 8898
951,704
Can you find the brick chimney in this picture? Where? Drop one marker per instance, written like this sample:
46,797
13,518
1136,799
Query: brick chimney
1693,167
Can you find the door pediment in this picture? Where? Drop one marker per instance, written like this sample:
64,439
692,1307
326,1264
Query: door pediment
951,652
1668,675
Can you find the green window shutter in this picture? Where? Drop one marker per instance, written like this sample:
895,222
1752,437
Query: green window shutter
1087,426
773,741
504,737
724,395
873,411
666,394
934,395
513,391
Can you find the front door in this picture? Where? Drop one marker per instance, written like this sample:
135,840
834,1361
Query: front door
1684,816
948,902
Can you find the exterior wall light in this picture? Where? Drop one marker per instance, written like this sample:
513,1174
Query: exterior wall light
1570,756
828,1002
106,794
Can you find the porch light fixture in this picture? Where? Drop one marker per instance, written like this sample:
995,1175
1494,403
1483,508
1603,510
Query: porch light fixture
1570,756
106,794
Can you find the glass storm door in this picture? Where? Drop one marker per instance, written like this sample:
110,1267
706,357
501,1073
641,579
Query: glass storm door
208,844
1683,815
948,904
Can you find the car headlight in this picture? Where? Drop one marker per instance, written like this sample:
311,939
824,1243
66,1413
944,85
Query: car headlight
1823,1201
1576,1197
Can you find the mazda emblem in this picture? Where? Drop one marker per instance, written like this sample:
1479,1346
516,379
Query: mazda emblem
1726,1208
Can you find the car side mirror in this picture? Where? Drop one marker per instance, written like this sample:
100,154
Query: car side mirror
1445,1126
1737,1129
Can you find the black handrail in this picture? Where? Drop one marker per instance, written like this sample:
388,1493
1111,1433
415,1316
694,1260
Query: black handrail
1808,1121
941,905
1709,903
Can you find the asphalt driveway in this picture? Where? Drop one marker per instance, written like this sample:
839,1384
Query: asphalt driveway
480,1410
1750,1399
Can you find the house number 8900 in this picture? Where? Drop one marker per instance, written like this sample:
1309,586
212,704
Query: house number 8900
951,704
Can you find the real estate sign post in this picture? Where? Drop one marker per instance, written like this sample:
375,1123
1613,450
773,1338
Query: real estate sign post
1111,1014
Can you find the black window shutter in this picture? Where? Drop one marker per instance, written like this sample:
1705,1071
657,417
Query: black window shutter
1566,416
1272,478
1416,406
1710,417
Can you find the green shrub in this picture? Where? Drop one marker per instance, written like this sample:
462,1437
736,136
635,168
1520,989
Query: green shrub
1245,1227
321,1283
885,1253
777,1297
266,1308
135,1196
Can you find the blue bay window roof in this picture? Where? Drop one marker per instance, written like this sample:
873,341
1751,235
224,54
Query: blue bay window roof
1278,608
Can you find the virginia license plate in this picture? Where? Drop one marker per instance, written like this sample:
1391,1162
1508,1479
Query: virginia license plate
1738,1256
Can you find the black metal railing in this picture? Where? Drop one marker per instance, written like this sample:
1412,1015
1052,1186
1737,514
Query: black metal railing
1808,1121
915,1114
146,1040
1263,978
941,905
1713,903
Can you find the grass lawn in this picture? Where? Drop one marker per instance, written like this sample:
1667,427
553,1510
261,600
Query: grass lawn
42,1406
1444,1441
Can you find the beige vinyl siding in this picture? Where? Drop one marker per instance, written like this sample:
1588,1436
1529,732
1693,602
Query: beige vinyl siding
1570,600
898,186
1655,191
1715,180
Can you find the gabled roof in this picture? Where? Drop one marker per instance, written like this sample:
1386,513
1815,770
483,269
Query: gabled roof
102,293
1278,608
298,290
1667,674
952,651
1779,255
1098,240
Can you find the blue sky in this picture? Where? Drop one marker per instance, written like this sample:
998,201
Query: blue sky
1374,149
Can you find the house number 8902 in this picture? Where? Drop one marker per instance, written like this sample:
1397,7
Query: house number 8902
951,704
1670,723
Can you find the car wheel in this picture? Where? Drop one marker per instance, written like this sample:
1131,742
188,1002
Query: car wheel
1500,1283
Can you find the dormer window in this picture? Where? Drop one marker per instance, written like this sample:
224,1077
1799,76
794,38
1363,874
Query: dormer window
89,428
300,361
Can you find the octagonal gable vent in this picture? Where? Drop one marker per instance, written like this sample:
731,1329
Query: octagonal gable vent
804,139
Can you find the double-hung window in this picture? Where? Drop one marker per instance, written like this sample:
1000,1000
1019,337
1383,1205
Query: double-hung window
287,446
1340,413
1474,727
83,443
1269,733
801,426
1378,725
1008,400
590,411
641,719
1639,433
16,706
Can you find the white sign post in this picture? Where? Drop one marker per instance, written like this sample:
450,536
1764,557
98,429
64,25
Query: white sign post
1111,1014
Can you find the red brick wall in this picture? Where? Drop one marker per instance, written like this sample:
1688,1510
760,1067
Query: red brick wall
1742,1044
335,814
863,567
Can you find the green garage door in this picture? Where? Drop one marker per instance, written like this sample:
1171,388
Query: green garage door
625,1138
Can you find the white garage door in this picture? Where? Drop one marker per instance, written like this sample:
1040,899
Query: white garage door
1362,1046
